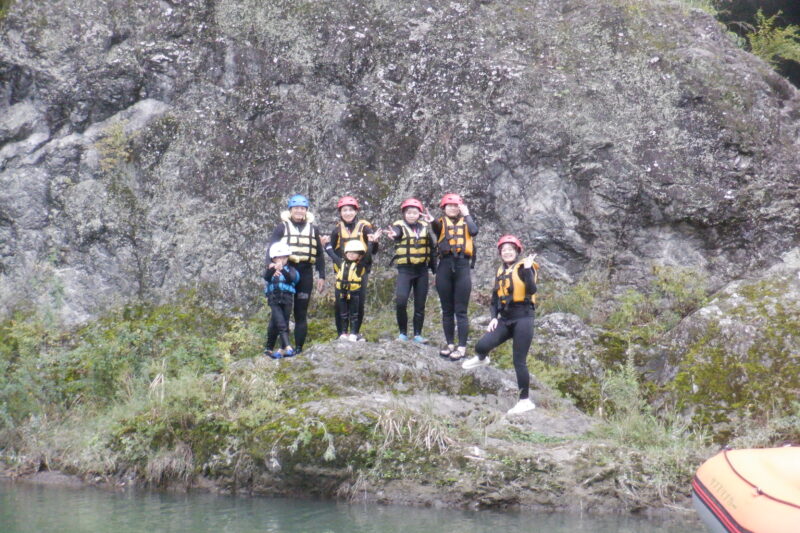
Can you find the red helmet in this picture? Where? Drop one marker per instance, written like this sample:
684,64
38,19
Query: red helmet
451,198
513,240
347,200
412,202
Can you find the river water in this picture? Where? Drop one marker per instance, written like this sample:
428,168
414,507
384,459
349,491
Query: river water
27,508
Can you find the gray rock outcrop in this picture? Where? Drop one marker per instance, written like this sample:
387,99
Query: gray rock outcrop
148,146
737,355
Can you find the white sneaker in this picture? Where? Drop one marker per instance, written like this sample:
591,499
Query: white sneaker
522,406
344,337
474,362
353,337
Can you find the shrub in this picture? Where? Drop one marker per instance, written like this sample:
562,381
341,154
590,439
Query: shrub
772,43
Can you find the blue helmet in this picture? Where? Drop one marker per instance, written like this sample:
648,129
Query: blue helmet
298,200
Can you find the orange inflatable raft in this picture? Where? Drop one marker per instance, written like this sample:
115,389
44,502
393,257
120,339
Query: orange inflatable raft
749,491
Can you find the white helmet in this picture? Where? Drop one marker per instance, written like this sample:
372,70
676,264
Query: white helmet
279,249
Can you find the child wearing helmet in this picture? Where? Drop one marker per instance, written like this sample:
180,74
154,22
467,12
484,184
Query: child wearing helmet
512,310
415,253
351,227
455,231
350,276
297,230
282,279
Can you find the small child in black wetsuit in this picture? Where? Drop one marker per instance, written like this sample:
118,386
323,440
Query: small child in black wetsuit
350,271
282,279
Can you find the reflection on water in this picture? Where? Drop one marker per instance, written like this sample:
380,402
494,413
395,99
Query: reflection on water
28,508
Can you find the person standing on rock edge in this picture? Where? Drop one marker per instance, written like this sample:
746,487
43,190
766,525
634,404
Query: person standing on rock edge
415,254
455,230
298,231
351,227
282,279
512,309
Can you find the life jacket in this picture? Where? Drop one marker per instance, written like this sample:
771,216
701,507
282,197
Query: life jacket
456,235
348,277
345,235
510,287
302,243
281,285
412,249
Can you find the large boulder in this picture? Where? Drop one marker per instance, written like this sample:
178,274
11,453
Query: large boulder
737,356
149,146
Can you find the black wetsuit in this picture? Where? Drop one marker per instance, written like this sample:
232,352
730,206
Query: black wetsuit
348,303
281,299
305,287
515,322
367,261
413,277
454,284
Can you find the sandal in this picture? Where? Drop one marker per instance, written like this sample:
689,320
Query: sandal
458,354
447,350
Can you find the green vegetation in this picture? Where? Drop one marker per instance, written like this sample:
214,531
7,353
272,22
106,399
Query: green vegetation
171,392
709,6
663,451
626,323
178,390
5,7
722,388
773,43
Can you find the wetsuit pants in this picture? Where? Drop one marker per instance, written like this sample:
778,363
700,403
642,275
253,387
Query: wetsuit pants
302,299
454,284
521,331
281,309
347,311
362,298
411,277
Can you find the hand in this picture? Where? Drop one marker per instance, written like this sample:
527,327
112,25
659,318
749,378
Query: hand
464,210
426,216
324,239
390,233
320,285
272,265
528,261
492,325
372,237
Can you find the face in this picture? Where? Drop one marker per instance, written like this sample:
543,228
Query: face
280,260
451,210
298,213
352,256
348,213
508,253
411,214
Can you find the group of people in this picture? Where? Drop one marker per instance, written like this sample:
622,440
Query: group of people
444,246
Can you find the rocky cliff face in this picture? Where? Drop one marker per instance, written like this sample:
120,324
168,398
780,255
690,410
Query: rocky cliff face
148,146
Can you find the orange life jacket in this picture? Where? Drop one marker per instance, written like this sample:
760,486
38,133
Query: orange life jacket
510,287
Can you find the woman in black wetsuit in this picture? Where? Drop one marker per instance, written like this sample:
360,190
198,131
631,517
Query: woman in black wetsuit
512,310
455,231
415,254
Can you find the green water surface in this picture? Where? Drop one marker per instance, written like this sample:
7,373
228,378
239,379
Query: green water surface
28,508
